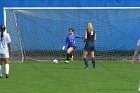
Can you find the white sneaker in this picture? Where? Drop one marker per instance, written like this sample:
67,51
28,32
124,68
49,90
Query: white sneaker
66,61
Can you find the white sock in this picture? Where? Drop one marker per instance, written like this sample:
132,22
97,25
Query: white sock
7,68
0,70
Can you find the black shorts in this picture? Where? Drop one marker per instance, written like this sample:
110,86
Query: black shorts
74,47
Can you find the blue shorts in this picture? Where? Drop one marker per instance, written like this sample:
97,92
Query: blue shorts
89,46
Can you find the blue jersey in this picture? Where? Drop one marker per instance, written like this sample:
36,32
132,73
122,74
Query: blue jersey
70,40
89,46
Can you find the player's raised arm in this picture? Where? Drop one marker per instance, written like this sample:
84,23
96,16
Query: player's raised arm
77,36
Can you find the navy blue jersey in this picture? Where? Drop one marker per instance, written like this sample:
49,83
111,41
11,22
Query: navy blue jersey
89,46
90,36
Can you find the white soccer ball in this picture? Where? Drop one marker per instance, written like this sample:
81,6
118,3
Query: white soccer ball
55,61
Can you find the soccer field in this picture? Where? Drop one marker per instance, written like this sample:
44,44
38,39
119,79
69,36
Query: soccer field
46,77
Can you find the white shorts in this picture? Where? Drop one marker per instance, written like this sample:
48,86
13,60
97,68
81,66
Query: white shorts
4,55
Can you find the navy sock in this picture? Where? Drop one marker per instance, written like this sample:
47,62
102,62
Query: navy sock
68,57
86,62
93,62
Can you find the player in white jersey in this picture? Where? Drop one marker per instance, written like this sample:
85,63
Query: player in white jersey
5,49
136,52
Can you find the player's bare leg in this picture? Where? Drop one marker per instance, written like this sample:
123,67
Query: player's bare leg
69,50
0,67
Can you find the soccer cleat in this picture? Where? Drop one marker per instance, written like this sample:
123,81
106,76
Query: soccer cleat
66,61
86,68
0,77
133,62
7,76
71,58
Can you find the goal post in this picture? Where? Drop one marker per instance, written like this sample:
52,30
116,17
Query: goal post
17,54
38,33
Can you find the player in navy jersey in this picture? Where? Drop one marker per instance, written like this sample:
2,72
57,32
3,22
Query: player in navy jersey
70,43
89,39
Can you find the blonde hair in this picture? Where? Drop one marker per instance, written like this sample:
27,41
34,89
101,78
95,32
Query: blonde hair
90,27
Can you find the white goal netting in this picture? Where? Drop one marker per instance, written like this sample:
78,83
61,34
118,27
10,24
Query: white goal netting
39,34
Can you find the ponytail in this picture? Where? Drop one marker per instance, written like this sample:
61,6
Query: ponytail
2,28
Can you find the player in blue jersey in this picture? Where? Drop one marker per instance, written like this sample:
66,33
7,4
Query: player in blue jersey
70,43
89,39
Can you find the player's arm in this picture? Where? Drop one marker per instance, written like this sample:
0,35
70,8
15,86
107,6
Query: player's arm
9,44
85,36
77,36
94,37
66,42
9,47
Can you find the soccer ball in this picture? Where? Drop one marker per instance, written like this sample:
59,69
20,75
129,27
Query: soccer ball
55,61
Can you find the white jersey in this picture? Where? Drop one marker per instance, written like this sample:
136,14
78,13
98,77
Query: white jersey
4,43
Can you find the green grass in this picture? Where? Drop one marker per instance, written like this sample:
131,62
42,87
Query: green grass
46,77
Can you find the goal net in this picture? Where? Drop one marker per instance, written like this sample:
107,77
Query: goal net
39,33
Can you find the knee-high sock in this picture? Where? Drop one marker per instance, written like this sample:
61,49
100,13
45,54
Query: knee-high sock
86,62
93,62
68,57
7,68
0,70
